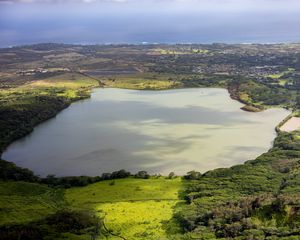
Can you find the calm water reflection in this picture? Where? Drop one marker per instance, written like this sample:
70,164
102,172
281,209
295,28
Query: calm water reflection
157,131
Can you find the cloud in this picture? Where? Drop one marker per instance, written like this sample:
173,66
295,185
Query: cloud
217,2
61,1
177,5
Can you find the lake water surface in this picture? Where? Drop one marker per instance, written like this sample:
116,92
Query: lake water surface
156,131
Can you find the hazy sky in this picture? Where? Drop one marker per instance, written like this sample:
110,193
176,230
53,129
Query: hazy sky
136,21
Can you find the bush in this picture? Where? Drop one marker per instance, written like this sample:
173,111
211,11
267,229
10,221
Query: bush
171,175
193,175
120,174
142,174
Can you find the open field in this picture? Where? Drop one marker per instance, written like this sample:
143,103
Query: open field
132,208
142,84
23,202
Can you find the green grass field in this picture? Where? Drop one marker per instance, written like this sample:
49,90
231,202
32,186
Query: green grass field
145,81
70,86
132,208
23,202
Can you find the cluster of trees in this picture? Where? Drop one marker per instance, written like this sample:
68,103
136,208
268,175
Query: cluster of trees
192,175
56,225
250,218
256,200
9,171
18,119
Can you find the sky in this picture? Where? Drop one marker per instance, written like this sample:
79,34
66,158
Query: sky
153,21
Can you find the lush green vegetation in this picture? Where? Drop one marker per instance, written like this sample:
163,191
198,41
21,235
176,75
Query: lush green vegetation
143,82
256,200
133,208
63,224
23,202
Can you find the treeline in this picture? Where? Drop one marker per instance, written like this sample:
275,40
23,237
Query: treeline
17,120
79,181
10,171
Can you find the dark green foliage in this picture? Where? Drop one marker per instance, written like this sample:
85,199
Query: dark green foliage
18,120
9,171
71,221
53,226
79,181
114,175
142,174
193,175
67,182
112,183
243,201
171,175
120,174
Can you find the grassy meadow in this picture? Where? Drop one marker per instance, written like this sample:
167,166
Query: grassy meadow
144,81
23,202
132,208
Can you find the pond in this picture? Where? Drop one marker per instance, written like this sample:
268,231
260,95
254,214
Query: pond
157,131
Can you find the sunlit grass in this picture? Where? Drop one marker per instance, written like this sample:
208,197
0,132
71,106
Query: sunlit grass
281,74
67,86
133,208
143,84
140,220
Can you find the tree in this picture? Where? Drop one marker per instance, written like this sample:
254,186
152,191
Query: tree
192,175
142,174
171,175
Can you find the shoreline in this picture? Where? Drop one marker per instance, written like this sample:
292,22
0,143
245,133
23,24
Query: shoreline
103,85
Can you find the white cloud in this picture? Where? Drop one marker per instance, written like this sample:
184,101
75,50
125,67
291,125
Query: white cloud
181,5
219,2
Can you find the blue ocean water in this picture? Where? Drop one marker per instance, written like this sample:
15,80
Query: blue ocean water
169,21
